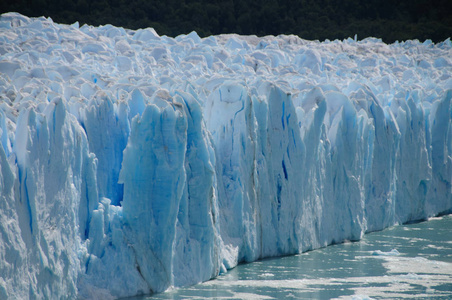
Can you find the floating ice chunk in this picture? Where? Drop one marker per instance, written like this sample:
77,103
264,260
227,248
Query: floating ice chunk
412,276
393,252
361,297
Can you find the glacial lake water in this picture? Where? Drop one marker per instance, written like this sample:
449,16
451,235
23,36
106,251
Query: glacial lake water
407,261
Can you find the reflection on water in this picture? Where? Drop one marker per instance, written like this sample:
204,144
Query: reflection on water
410,261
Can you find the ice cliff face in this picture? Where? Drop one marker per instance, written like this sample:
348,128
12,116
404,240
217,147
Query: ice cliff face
131,162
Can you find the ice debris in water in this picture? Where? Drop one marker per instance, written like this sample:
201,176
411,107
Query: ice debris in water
393,252
132,162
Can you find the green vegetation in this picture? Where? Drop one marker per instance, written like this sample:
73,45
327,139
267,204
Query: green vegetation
310,19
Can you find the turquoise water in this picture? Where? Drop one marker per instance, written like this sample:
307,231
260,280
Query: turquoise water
409,261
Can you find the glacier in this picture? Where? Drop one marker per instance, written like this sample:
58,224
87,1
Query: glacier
131,162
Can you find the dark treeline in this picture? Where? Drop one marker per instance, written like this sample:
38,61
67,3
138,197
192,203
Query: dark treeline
310,19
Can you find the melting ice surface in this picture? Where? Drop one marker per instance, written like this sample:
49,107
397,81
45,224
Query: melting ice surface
422,269
131,163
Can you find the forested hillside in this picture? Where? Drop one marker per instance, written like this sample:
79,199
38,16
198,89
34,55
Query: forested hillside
309,19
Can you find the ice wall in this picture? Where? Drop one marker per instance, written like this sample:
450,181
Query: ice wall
132,162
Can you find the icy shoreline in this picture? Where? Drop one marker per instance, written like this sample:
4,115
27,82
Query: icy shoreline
133,162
